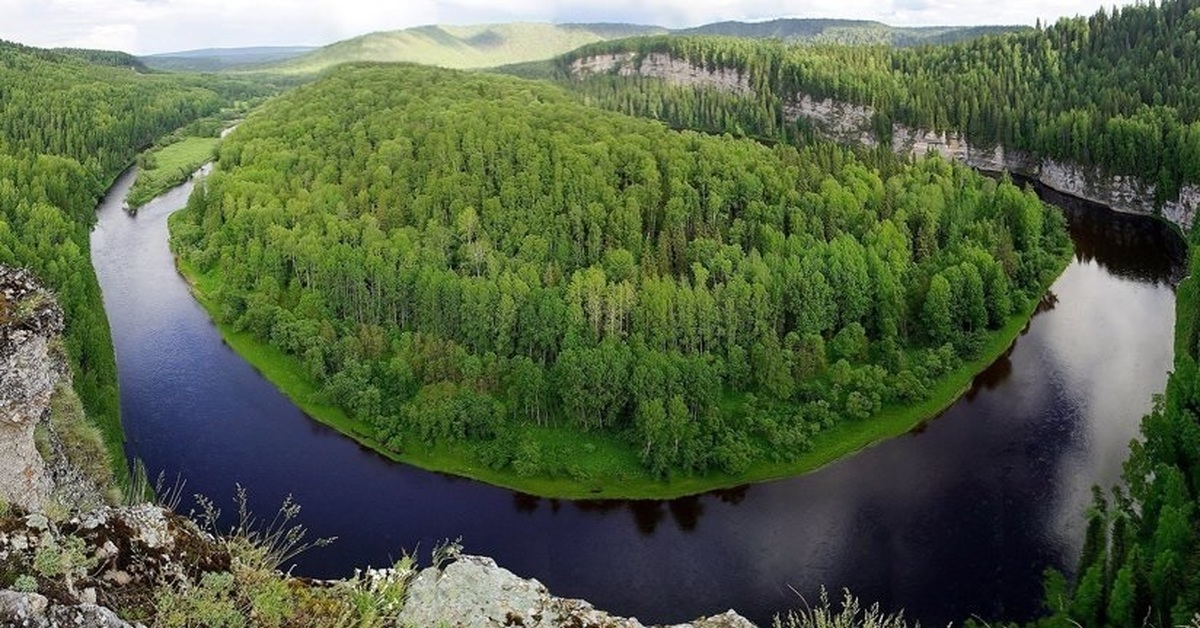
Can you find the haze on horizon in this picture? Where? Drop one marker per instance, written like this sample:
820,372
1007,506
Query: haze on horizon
153,26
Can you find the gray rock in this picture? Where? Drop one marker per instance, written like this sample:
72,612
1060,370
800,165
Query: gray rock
30,610
474,592
31,369
17,608
851,123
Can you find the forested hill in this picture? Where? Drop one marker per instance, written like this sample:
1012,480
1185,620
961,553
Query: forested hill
481,46
219,59
845,32
492,45
479,266
1118,90
67,128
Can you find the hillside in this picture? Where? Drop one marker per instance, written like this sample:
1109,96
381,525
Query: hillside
845,32
465,46
218,59
1077,91
494,45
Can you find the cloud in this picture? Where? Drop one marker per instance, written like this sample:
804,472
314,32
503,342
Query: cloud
145,26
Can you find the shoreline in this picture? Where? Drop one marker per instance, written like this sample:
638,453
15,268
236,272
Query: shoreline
830,446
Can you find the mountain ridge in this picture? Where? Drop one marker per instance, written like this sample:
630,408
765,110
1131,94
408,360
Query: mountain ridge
478,46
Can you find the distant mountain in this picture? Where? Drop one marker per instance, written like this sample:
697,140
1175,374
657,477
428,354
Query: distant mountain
492,45
821,31
110,58
466,46
105,57
217,59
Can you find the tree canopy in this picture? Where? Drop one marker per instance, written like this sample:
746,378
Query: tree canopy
1116,90
469,258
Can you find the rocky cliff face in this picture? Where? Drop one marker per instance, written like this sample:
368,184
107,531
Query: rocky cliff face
474,592
29,321
36,468
850,123
663,66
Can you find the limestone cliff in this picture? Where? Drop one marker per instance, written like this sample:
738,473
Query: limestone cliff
29,322
851,123
36,468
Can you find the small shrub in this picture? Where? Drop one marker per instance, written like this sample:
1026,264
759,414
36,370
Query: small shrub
851,615
210,604
25,583
48,561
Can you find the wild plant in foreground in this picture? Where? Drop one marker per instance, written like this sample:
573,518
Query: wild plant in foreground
266,544
851,615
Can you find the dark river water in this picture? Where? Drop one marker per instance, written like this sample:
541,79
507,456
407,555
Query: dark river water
959,518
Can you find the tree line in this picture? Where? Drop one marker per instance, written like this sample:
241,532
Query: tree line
1116,90
464,258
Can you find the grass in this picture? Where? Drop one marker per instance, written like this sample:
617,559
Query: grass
596,466
82,442
164,168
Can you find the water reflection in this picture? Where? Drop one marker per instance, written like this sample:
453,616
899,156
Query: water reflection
959,519
1119,242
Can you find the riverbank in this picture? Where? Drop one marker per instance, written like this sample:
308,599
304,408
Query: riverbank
161,169
605,467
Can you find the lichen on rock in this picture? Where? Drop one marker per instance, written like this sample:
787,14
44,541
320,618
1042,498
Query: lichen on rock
58,466
475,592
28,375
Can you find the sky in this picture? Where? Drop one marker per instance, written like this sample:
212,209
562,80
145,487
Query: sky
150,26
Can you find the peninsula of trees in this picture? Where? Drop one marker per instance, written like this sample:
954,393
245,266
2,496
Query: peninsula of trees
480,266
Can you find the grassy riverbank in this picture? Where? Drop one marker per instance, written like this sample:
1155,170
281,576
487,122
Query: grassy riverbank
601,466
161,169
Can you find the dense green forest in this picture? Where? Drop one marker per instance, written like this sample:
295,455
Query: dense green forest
1117,90
471,258
67,128
1078,90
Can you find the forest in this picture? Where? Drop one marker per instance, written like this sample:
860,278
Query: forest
68,127
471,259
1114,90
1078,90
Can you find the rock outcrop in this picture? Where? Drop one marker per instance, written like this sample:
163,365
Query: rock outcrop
115,557
851,123
121,558
30,610
474,592
29,321
36,468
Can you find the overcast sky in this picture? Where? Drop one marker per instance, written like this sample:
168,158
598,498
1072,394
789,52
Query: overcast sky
149,26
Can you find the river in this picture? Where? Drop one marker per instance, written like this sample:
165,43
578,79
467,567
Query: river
959,518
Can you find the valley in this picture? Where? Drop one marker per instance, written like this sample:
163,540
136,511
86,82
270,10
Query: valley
674,319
